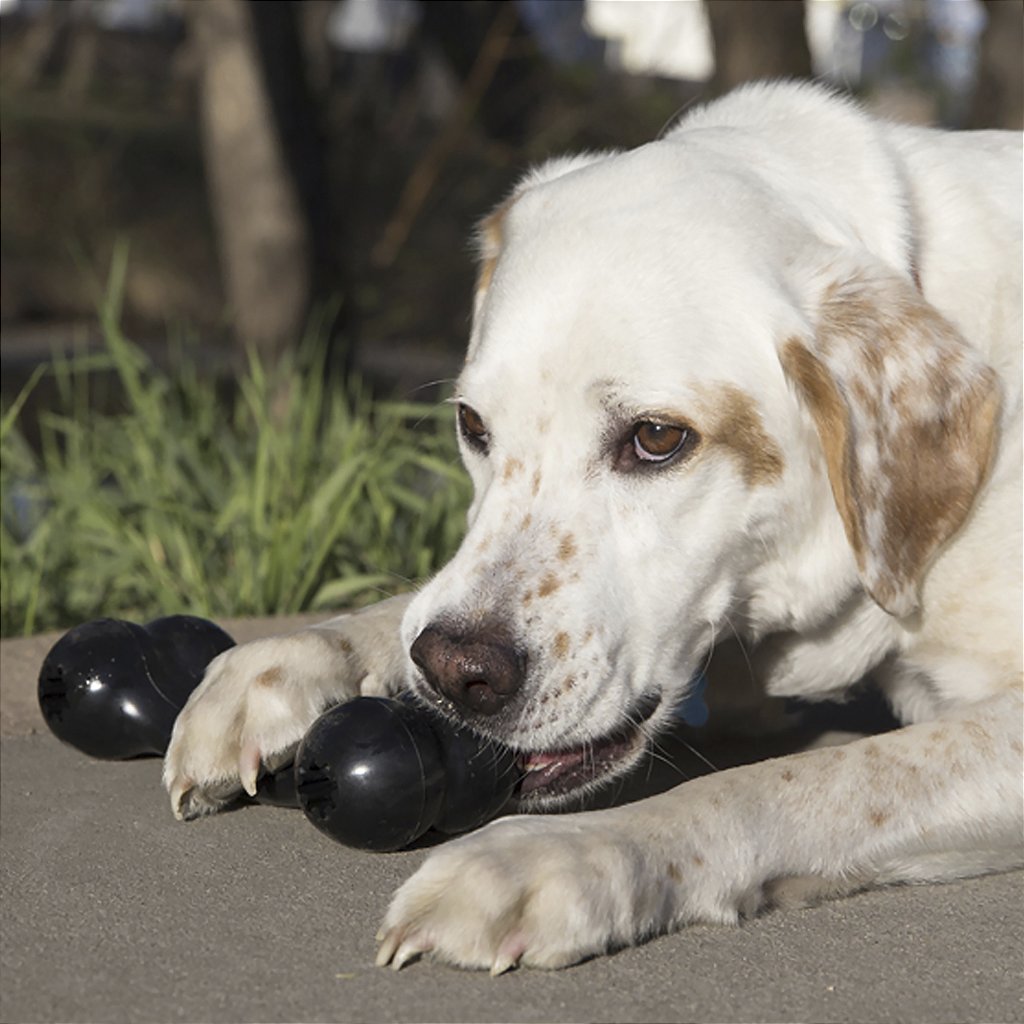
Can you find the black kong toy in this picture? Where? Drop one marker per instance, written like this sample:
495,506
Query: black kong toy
113,688
372,773
376,774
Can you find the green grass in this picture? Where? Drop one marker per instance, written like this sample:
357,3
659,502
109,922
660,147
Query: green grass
291,495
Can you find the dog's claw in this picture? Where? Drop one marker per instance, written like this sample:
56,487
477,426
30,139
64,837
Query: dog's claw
409,950
389,940
179,791
397,950
249,767
509,954
501,965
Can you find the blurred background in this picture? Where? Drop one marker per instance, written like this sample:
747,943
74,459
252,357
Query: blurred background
217,178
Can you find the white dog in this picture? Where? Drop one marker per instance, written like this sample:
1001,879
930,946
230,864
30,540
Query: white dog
761,377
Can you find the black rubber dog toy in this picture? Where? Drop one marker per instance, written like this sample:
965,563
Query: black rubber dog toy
376,774
113,688
372,773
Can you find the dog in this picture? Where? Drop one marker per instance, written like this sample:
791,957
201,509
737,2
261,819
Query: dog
759,379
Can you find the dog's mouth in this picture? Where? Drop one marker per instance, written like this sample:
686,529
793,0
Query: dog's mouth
551,774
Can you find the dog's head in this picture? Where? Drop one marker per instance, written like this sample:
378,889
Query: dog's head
687,407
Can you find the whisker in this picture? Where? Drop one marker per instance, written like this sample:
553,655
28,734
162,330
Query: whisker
430,384
696,753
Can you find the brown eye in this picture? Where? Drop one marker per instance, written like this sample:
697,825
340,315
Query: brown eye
473,428
657,442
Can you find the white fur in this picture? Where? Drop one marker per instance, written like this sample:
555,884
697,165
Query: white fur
668,278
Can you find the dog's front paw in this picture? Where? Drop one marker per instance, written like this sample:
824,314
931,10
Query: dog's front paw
255,703
537,891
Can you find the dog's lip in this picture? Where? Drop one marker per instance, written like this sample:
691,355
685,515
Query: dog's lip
554,772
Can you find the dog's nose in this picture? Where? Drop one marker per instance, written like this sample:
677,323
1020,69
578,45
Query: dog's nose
479,671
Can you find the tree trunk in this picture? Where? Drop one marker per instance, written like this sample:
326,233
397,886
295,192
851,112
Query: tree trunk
999,95
263,233
757,39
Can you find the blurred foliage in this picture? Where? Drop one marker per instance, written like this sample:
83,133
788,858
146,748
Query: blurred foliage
298,495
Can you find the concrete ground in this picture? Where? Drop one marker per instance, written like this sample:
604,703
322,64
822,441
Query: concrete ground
113,911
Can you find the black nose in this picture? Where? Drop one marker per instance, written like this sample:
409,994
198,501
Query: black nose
480,671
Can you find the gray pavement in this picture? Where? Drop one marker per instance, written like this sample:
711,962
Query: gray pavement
112,911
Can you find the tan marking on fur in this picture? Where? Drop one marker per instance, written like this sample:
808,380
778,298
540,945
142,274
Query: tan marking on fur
978,733
561,646
527,597
490,238
878,818
535,487
512,468
525,524
788,776
568,684
270,676
567,548
674,873
735,425
335,640
548,585
697,860
486,273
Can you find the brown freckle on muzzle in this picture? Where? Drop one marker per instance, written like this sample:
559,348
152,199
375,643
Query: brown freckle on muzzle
561,647
674,873
535,489
512,468
568,684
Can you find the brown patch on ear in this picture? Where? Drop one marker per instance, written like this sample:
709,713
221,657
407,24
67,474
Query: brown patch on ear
736,425
907,414
831,418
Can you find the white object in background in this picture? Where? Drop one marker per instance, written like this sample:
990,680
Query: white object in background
655,37
372,26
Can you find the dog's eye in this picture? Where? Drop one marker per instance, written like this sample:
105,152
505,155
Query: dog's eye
658,442
473,428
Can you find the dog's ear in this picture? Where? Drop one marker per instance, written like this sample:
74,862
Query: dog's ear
907,413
